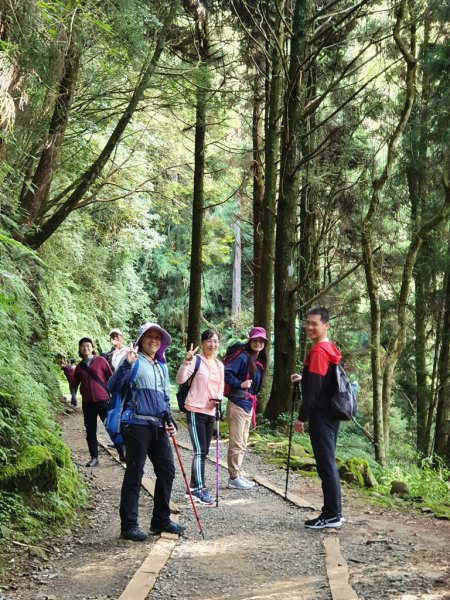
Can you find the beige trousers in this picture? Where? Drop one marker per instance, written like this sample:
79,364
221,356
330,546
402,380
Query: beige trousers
238,428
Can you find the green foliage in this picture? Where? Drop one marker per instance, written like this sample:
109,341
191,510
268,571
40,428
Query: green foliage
123,257
36,466
427,484
34,469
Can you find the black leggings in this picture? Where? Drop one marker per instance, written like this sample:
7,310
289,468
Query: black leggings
200,429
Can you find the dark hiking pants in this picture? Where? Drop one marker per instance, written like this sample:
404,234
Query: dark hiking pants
323,431
142,441
91,411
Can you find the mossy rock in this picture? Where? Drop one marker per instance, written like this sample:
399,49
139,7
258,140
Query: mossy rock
58,448
302,463
35,468
356,470
300,450
442,512
297,463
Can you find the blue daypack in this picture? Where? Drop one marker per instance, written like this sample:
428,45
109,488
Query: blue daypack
343,401
183,388
113,419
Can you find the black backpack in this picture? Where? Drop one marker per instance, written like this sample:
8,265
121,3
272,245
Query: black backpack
343,401
183,388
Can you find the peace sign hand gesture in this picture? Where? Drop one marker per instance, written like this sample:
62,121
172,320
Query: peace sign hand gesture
190,353
132,354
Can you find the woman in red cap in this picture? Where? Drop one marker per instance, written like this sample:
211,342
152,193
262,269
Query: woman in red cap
244,374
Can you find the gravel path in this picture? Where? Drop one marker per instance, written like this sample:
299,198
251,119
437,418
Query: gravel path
255,545
252,547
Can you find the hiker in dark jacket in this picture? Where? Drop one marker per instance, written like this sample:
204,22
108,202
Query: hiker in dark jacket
91,375
318,382
146,432
244,374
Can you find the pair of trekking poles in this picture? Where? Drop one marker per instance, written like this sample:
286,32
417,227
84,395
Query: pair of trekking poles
169,421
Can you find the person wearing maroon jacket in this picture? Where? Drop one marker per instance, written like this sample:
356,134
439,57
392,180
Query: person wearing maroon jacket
92,375
318,382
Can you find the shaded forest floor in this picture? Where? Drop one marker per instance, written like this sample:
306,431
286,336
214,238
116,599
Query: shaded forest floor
255,544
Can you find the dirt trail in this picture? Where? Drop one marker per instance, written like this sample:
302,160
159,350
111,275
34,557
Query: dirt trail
255,545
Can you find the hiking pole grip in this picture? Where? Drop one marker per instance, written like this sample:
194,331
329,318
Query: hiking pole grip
294,399
168,420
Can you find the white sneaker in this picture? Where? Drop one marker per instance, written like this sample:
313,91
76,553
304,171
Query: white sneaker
250,483
239,484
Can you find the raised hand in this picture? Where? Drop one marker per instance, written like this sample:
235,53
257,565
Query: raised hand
299,426
190,353
132,354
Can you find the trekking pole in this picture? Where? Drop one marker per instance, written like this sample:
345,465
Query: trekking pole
169,421
294,399
218,407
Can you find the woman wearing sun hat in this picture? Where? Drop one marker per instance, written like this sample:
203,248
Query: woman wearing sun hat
144,431
244,374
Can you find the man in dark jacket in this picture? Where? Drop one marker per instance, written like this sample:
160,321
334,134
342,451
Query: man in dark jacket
318,382
92,375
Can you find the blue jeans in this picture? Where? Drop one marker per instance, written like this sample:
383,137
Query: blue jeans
200,429
142,441
323,431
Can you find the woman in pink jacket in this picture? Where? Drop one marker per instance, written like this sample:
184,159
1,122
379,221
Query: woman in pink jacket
206,389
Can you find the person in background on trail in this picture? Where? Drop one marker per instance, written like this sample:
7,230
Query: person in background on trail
73,390
118,350
145,433
318,382
205,391
245,375
92,374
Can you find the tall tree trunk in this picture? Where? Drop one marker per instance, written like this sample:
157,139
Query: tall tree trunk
372,284
272,150
285,242
417,172
47,225
382,383
258,189
423,391
195,281
236,275
442,431
308,244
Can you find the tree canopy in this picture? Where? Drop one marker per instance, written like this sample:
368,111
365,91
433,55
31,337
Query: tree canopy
229,164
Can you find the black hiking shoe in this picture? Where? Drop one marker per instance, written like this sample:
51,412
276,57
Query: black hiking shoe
323,523
134,534
172,527
92,463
